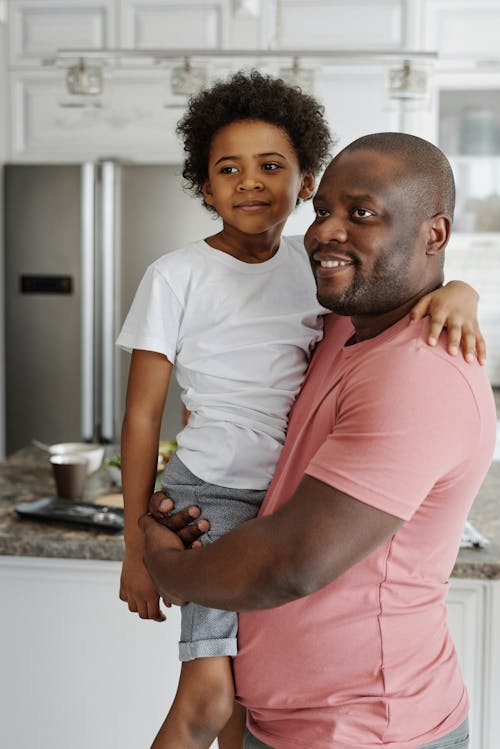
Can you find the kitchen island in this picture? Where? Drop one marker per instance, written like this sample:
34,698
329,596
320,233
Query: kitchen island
26,475
90,674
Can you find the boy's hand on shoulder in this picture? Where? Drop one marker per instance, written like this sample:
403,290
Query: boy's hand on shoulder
137,588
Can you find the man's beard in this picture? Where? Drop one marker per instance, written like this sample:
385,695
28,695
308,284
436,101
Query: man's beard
383,291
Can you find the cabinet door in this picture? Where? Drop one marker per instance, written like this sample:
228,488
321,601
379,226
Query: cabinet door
38,28
85,671
334,24
133,118
461,29
466,619
171,24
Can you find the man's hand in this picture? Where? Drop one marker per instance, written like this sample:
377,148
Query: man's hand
174,532
181,523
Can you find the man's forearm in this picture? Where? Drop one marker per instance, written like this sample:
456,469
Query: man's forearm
307,543
246,569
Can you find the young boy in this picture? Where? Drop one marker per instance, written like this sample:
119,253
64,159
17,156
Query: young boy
237,315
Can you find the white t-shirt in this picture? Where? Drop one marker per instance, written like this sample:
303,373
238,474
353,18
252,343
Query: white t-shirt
240,336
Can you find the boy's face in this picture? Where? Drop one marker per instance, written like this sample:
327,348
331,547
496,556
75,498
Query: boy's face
254,178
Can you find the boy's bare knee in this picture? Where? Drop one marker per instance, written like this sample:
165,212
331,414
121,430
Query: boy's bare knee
213,707
205,698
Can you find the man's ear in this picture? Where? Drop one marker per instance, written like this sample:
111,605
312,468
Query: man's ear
307,186
439,231
207,193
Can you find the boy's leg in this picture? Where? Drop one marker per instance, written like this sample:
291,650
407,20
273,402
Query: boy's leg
233,733
202,706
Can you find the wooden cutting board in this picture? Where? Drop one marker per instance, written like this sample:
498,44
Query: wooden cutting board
111,500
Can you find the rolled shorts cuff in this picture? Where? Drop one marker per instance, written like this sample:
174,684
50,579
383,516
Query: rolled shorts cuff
188,651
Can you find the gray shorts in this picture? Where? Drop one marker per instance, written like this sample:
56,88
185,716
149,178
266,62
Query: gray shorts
457,739
209,632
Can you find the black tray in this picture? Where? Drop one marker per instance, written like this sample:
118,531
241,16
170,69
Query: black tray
69,511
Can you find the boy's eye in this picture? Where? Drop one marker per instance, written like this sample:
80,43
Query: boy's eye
270,166
228,170
362,213
321,212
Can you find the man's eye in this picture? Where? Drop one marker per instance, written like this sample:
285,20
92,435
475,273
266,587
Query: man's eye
228,170
362,213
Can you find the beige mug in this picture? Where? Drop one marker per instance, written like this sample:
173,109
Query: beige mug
70,473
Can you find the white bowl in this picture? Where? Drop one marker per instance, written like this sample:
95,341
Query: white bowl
93,452
115,474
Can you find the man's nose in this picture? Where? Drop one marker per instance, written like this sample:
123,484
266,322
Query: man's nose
329,229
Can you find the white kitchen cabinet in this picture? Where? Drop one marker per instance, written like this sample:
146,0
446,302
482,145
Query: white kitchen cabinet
355,101
90,674
474,621
134,118
171,24
79,670
38,28
337,25
466,606
462,30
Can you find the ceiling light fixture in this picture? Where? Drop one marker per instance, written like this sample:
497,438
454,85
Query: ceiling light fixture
408,83
186,80
298,76
84,80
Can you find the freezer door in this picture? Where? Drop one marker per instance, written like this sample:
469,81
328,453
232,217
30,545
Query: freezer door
43,303
156,216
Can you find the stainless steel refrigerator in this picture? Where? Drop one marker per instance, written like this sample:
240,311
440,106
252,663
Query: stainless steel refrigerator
78,239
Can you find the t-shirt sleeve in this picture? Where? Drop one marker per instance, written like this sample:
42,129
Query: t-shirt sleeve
401,428
154,319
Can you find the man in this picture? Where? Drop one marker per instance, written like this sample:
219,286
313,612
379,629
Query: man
342,581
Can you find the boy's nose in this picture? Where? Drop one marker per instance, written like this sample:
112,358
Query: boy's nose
250,182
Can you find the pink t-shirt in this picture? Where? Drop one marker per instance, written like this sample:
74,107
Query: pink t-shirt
368,661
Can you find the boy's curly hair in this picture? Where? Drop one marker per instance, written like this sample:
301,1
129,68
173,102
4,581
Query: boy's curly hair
252,96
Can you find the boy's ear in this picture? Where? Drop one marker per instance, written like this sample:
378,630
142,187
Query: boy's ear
438,234
207,193
307,186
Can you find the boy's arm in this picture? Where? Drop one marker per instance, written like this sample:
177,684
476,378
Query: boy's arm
453,307
148,381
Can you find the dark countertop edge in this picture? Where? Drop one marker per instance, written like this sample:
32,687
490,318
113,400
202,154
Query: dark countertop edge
471,564
48,549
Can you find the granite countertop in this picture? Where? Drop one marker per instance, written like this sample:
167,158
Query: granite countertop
26,475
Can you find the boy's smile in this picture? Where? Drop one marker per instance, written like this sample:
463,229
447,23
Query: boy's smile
254,181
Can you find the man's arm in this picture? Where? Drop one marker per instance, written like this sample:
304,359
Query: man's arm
267,562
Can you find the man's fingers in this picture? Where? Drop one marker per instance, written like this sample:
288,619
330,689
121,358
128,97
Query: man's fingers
179,520
192,532
145,522
161,506
160,502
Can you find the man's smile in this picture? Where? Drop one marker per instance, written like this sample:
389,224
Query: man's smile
326,263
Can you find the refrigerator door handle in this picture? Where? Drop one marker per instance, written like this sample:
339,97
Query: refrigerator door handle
108,295
87,300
